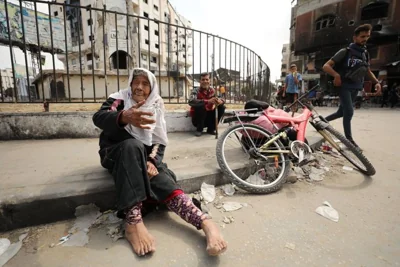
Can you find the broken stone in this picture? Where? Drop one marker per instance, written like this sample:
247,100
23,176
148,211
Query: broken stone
226,220
290,246
232,206
347,168
316,174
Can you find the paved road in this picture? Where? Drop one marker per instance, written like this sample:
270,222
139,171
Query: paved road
367,233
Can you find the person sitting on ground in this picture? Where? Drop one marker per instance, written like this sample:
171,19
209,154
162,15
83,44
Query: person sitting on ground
203,103
132,146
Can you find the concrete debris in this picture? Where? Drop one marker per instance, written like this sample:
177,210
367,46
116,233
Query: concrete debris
231,206
316,174
347,168
229,189
4,244
208,192
11,250
228,220
327,211
86,216
255,179
290,246
108,217
115,232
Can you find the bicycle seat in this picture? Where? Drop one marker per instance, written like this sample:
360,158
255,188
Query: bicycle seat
259,105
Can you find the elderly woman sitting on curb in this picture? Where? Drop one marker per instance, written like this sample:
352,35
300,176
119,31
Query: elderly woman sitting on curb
132,146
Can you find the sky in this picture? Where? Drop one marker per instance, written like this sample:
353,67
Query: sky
260,25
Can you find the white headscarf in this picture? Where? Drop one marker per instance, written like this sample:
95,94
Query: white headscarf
148,137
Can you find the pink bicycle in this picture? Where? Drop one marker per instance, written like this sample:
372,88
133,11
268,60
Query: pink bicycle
258,160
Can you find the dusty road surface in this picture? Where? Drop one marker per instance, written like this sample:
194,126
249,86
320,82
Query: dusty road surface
280,229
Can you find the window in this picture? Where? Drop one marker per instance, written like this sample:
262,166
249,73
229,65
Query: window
146,28
89,22
176,32
91,38
157,46
176,21
146,41
183,46
156,7
184,55
375,10
55,13
73,62
145,1
154,59
283,66
156,33
145,14
327,21
89,56
284,50
144,56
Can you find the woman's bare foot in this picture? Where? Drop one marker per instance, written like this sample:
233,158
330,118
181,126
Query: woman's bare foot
215,242
140,239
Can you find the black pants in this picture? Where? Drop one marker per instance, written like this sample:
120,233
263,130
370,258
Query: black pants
202,118
127,162
345,110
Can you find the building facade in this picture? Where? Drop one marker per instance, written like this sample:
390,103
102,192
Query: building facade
321,28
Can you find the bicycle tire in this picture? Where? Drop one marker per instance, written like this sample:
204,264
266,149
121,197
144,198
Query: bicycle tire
265,189
369,168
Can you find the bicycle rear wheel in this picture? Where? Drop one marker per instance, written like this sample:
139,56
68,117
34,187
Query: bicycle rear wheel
240,159
350,152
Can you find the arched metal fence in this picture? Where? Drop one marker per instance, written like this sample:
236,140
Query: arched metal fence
64,52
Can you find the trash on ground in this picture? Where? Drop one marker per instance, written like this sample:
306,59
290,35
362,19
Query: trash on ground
347,168
64,239
208,192
327,211
316,174
4,244
229,189
255,179
86,216
231,206
12,250
290,246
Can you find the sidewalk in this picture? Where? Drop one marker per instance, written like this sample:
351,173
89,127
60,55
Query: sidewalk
45,180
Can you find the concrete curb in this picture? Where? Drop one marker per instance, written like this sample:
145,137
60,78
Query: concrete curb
61,203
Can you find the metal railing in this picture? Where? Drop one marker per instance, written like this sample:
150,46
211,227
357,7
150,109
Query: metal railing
92,48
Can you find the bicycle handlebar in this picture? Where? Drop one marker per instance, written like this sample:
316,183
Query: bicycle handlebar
303,96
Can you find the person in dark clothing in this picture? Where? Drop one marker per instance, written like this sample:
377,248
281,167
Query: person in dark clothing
132,146
351,66
203,103
385,96
393,95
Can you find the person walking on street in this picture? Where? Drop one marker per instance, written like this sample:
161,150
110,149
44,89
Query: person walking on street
292,82
349,66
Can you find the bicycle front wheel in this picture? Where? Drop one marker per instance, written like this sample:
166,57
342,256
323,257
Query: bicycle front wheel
350,152
240,158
